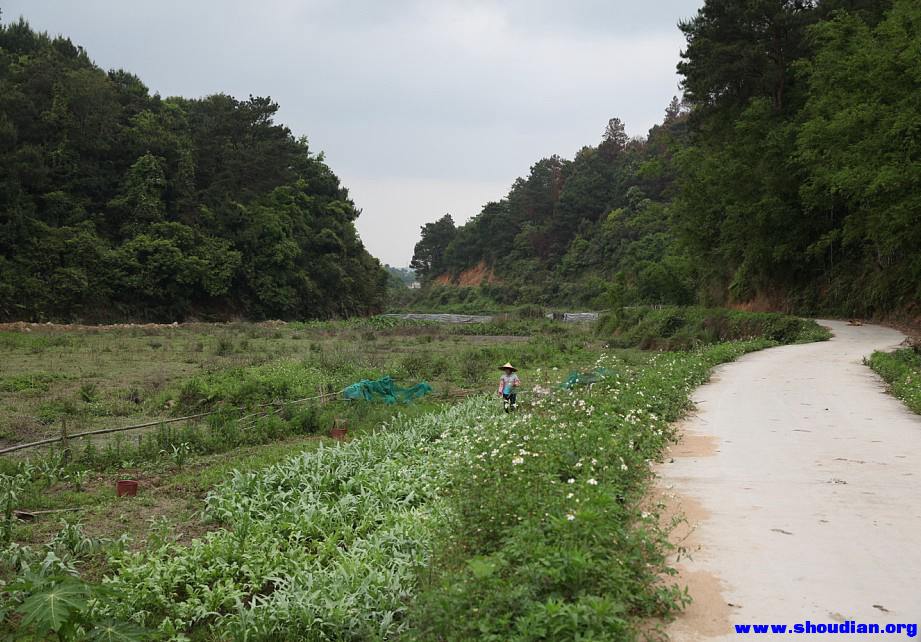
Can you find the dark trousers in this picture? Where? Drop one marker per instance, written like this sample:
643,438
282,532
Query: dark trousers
509,401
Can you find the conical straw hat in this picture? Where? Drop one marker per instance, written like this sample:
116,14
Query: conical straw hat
508,365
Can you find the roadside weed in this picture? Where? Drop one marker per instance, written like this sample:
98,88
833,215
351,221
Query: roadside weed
902,372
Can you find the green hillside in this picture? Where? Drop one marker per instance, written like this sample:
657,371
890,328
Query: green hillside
788,177
115,203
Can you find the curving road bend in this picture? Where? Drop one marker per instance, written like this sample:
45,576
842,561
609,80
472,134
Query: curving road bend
800,479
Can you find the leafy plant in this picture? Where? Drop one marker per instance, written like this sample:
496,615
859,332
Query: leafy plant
329,540
54,605
51,469
72,541
62,606
79,477
179,453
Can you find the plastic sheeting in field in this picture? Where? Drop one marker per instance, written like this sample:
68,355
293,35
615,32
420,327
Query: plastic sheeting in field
384,389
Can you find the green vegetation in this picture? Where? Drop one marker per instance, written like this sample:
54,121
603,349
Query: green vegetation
569,233
52,600
802,182
241,374
902,372
430,511
117,204
683,328
325,545
404,276
547,532
238,365
787,178
92,378
399,279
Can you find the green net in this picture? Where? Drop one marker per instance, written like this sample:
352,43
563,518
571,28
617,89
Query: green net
384,389
585,378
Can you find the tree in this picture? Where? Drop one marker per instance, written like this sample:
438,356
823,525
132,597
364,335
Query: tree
800,185
141,197
787,173
741,50
860,145
429,252
615,136
674,110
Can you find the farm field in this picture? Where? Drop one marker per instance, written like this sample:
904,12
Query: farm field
90,378
96,377
251,524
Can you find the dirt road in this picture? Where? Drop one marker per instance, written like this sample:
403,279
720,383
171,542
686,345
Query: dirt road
800,477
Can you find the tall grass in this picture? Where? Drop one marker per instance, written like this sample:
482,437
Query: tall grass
902,372
683,328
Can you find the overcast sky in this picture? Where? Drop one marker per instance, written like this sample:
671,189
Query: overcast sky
421,108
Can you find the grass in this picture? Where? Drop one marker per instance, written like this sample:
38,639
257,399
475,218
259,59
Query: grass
91,378
902,372
683,328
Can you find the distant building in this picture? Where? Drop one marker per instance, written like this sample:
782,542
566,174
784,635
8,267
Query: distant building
415,285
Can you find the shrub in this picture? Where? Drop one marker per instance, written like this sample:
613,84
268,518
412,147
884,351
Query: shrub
474,364
286,379
89,392
224,347
418,365
529,312
304,420
51,411
37,381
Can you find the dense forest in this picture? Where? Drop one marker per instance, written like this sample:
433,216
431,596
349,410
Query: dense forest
118,204
788,176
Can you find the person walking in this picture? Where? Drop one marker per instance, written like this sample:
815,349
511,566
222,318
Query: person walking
508,386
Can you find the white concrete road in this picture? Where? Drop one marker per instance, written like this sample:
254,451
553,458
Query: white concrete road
800,478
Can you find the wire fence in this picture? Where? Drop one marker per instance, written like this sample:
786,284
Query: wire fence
158,422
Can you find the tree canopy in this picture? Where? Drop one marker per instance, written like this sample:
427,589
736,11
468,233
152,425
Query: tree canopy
115,203
787,176
812,200
573,230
